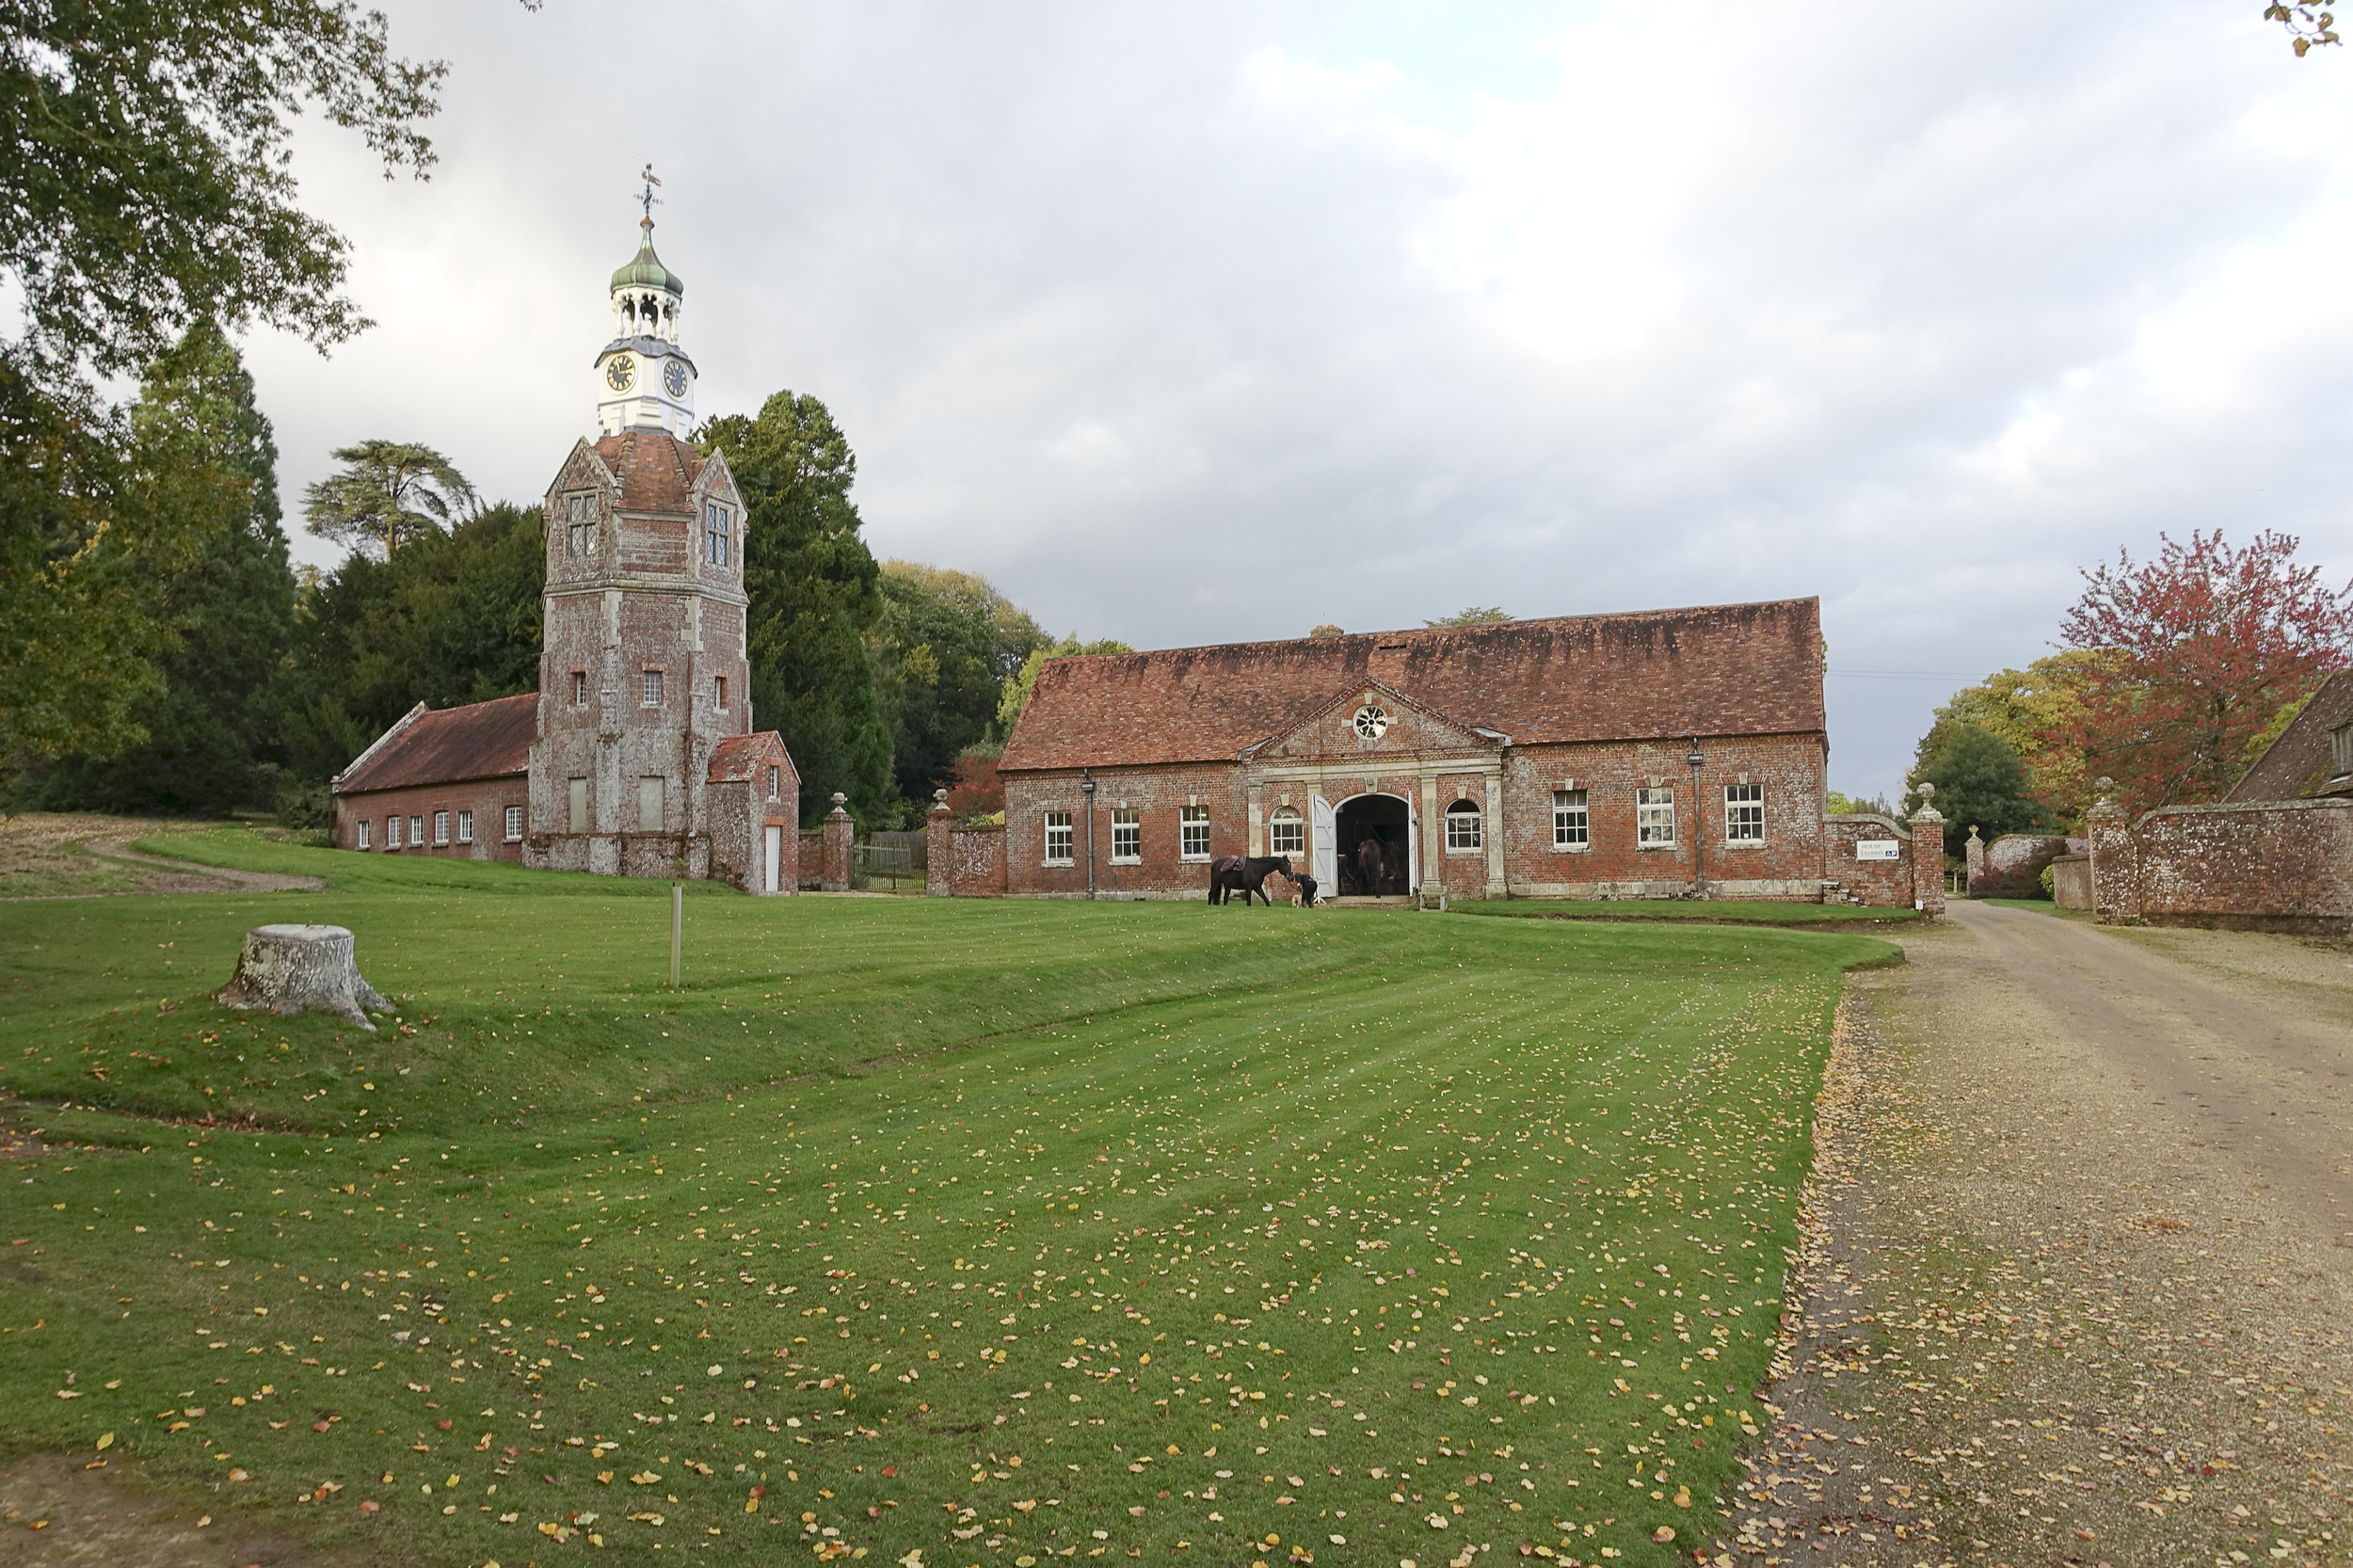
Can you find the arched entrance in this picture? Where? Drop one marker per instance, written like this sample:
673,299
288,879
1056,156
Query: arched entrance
1384,822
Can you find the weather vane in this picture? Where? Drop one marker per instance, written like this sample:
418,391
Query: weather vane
648,198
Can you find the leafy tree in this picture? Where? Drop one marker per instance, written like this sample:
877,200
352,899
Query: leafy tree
1018,685
941,650
1837,805
1979,783
452,618
390,493
2033,711
2196,652
202,455
815,594
1474,615
144,187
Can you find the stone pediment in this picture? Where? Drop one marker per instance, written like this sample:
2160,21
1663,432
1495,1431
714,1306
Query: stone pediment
713,481
584,470
1394,724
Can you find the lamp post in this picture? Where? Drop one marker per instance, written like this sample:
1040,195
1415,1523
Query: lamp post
1086,788
1699,823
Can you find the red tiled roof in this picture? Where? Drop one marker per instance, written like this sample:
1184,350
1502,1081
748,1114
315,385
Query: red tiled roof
2300,764
738,756
482,740
656,469
1728,669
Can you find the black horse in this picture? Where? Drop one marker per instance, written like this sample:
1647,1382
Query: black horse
1245,875
1371,868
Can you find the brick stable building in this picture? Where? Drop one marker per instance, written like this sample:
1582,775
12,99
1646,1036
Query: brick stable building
1599,756
637,756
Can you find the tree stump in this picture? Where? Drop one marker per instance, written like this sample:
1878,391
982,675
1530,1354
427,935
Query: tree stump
302,969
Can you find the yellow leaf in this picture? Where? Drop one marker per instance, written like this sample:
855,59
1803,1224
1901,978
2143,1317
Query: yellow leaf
105,1441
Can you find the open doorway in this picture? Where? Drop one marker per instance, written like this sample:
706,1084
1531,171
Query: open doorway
1374,837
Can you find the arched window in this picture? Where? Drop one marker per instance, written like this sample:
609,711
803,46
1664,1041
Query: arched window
1286,834
1463,826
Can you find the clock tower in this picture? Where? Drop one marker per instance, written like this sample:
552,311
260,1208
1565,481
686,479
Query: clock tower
645,381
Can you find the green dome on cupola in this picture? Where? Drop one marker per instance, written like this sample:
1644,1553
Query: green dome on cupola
645,271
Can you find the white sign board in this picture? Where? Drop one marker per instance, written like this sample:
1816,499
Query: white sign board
1879,849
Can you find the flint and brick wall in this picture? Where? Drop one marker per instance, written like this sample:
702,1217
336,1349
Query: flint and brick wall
1516,856
487,798
1157,795
2285,865
961,861
1786,864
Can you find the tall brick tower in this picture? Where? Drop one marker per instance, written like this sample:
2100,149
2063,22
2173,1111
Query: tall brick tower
642,671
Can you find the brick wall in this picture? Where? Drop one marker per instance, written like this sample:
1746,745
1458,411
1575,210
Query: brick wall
1788,769
2261,864
1157,795
961,861
1512,789
487,798
1888,883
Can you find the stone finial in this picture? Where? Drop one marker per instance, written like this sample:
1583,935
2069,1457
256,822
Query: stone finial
939,802
1928,792
1928,811
839,801
2103,800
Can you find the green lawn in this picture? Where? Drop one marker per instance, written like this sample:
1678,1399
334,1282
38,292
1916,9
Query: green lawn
996,1232
1706,911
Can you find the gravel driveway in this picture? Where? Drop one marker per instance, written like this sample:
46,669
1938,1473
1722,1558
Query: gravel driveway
2077,1278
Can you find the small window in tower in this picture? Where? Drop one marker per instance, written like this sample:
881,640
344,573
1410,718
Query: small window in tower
719,693
715,534
775,782
580,688
652,698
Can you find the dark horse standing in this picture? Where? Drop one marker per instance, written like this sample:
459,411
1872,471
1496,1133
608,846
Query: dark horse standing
1371,870
1247,874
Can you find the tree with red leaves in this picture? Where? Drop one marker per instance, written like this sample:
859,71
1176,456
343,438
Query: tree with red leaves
2199,650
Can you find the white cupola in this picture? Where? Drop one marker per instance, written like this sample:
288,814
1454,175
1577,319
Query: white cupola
645,381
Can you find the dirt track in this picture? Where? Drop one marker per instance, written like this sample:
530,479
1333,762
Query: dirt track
2078,1285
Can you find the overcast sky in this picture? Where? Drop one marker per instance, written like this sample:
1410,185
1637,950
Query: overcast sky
1187,324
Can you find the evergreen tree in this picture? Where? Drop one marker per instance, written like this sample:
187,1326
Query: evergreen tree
203,466
451,619
1981,784
815,594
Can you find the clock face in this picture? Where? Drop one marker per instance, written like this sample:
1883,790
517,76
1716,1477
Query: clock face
674,378
620,371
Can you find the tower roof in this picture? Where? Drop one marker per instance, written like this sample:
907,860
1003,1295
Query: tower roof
646,270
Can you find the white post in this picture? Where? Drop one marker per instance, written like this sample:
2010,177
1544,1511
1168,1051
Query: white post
678,924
